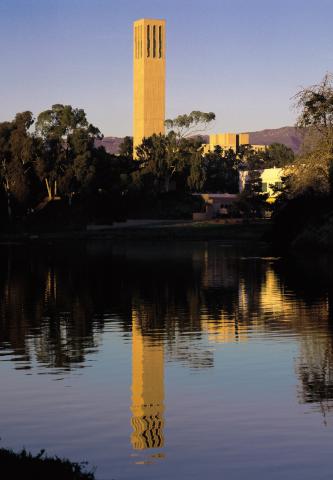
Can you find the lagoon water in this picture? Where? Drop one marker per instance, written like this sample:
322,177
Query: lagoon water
169,360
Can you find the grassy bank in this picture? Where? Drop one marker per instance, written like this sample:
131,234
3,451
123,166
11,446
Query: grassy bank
24,465
154,230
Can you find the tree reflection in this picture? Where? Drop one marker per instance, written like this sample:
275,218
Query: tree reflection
57,300
311,280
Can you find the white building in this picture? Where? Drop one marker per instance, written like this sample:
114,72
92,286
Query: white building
270,177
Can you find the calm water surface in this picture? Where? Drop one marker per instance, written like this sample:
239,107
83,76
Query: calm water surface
168,361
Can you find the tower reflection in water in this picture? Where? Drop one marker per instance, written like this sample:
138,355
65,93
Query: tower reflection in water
147,390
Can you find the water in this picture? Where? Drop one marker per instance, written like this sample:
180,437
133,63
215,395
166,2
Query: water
183,361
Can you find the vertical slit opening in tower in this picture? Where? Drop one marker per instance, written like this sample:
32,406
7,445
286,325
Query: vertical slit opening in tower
148,40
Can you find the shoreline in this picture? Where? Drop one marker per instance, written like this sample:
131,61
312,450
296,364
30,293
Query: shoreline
221,230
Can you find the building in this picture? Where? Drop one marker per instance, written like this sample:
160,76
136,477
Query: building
149,46
223,204
226,141
270,178
229,141
149,79
216,204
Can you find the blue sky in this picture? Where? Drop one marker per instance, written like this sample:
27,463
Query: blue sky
242,59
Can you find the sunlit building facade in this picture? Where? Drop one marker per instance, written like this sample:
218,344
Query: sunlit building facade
229,141
271,180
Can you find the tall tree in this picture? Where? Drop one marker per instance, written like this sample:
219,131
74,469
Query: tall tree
66,163
315,106
164,159
17,152
312,169
5,158
197,173
192,124
157,167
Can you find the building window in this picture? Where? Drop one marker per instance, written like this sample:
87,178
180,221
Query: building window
160,41
148,40
154,41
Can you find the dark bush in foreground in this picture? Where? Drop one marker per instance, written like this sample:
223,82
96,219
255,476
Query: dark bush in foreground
303,222
25,466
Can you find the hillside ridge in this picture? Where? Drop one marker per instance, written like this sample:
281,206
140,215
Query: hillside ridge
289,136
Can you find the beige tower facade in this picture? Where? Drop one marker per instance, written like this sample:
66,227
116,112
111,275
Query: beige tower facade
149,79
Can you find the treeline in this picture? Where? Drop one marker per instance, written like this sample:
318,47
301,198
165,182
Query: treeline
53,174
54,158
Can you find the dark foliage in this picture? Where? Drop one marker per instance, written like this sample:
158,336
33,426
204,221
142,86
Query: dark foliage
167,205
24,465
296,215
278,155
304,211
55,176
221,171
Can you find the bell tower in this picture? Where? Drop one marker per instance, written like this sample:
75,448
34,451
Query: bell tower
149,79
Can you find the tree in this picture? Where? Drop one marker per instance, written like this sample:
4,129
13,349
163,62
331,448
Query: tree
278,155
156,162
197,175
252,201
126,148
312,169
222,174
315,104
5,157
61,121
66,160
17,152
190,124
165,158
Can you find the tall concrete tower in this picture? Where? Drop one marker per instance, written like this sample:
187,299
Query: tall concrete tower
149,78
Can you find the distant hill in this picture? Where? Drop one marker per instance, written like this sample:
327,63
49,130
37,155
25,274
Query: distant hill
111,144
287,135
